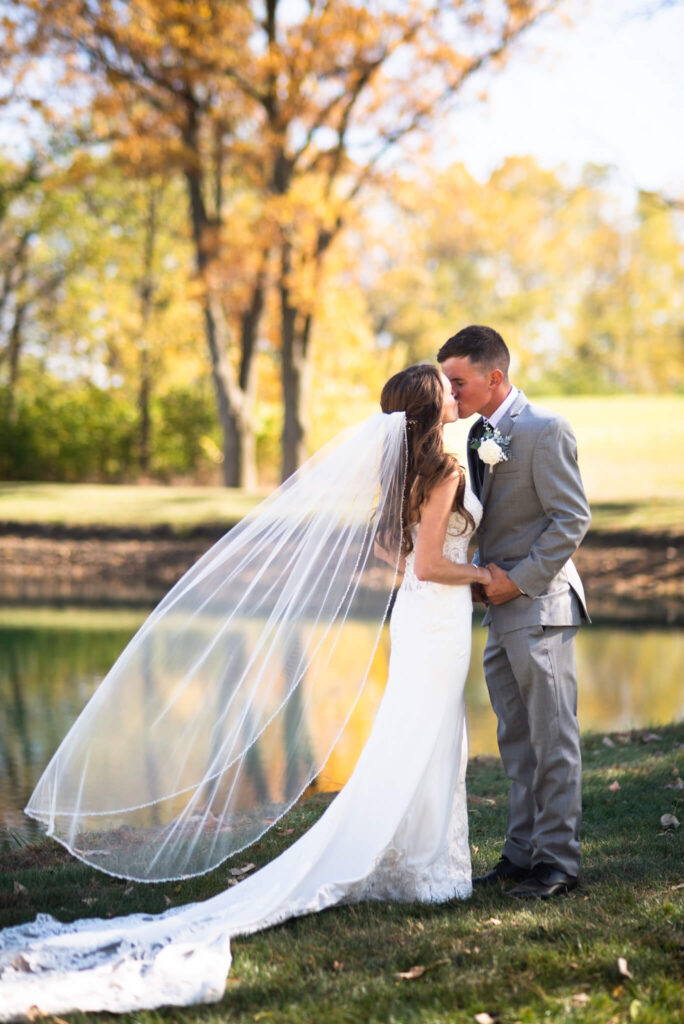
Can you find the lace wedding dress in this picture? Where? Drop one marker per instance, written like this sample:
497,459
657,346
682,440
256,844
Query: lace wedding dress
397,831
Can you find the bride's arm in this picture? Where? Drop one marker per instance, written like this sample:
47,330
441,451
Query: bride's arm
430,563
387,556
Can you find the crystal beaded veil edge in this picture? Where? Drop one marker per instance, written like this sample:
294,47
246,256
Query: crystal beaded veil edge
225,705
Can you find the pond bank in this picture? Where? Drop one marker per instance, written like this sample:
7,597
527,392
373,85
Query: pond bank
629,575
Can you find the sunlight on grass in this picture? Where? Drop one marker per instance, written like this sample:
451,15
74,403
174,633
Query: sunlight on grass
629,445
123,505
629,449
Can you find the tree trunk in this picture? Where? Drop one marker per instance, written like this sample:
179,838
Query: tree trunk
13,353
296,334
249,333
296,329
234,397
144,410
233,469
146,291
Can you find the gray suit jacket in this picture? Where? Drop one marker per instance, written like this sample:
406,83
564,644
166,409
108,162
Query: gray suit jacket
535,516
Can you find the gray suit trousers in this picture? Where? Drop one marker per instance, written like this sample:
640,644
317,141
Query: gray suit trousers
532,682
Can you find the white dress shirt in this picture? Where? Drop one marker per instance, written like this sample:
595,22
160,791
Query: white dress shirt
501,411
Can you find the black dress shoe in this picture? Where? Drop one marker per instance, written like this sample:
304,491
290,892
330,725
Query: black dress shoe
504,871
544,882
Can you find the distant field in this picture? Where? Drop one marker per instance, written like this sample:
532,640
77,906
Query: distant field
631,447
631,451
123,505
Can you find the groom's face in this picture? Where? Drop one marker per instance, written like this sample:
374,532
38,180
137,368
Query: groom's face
471,385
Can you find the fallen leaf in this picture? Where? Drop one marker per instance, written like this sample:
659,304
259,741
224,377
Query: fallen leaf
413,972
634,1009
650,737
607,742
418,970
128,890
19,889
614,786
677,784
338,965
581,998
484,1018
475,849
167,900
89,900
618,991
493,920
623,737
623,968
242,870
669,821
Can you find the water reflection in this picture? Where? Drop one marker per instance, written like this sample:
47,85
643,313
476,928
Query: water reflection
52,661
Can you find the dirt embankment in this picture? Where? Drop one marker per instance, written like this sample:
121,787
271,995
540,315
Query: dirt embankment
628,576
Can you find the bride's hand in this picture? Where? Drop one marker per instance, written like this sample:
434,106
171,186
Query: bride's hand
483,578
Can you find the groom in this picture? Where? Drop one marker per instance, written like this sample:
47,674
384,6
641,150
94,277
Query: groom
535,514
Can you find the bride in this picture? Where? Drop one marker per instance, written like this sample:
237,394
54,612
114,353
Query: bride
203,733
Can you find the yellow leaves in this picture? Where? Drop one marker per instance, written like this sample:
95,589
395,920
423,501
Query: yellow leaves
412,973
623,968
243,870
418,970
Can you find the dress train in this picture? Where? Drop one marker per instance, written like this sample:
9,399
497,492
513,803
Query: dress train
397,831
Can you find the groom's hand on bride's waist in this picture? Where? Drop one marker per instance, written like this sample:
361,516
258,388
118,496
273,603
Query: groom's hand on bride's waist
502,588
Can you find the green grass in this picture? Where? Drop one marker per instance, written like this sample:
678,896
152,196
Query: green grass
629,449
555,961
123,505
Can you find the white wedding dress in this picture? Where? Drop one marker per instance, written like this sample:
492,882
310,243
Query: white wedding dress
397,831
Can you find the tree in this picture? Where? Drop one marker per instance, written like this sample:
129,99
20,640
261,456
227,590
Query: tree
32,270
278,117
588,296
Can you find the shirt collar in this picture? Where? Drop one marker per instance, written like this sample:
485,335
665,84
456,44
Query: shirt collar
501,411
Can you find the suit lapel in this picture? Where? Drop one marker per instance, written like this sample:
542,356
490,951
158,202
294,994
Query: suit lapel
509,418
473,458
506,426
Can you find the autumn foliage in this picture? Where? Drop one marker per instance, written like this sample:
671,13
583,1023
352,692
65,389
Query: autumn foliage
205,199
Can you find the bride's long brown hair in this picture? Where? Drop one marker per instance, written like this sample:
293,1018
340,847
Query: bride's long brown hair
419,392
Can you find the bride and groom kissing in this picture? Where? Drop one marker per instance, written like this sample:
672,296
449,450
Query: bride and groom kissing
398,829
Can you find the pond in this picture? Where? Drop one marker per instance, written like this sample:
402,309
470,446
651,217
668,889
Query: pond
51,661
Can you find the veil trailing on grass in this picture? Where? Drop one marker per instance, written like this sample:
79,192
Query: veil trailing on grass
225,705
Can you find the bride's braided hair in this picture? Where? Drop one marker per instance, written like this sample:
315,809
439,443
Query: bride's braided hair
418,391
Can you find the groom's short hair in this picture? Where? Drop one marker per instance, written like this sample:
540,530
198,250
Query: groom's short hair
482,345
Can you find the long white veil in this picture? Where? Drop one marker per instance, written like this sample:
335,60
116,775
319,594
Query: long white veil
206,729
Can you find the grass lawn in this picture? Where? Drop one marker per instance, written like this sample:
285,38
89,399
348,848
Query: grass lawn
123,505
629,448
555,961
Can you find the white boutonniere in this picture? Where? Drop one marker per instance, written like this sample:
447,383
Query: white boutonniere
492,447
